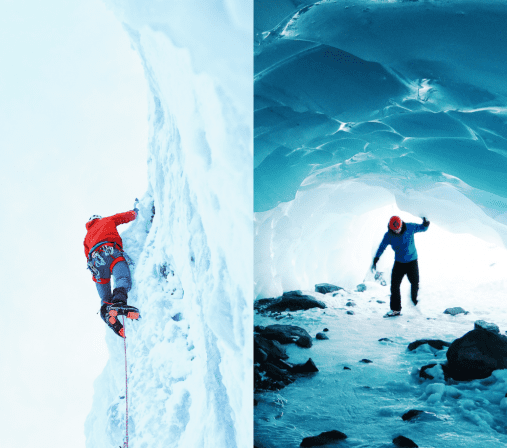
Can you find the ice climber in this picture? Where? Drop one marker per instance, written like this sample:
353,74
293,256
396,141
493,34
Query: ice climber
104,251
400,236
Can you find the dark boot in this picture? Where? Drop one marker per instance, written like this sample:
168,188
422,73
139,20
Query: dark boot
119,296
111,321
120,307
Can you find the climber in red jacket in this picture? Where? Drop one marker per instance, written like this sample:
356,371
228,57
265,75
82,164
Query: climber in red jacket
104,251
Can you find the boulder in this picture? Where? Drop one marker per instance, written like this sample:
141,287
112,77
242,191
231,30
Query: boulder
476,354
366,361
350,312
286,334
437,344
410,415
404,442
292,301
324,288
308,367
455,310
323,438
361,287
385,340
482,325
321,336
271,348
350,303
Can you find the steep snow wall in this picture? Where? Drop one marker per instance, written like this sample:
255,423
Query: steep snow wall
190,355
366,109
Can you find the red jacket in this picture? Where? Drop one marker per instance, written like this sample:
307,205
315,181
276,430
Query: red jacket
105,229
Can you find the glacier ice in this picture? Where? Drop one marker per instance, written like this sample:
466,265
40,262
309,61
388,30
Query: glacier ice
189,359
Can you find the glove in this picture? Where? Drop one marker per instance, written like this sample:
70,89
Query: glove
426,223
375,261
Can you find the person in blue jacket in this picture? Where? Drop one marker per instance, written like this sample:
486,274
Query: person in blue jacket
400,236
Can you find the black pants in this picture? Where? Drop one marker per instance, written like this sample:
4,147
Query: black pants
411,269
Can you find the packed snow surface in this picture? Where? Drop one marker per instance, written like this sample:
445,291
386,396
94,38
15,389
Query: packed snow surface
189,357
364,110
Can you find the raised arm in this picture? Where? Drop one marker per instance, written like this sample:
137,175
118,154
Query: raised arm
124,218
422,227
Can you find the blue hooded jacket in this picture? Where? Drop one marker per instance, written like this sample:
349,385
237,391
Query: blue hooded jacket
402,243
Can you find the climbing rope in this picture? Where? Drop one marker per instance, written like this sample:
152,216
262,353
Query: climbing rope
126,443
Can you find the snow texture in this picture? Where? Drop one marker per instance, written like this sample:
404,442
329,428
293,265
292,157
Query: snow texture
364,110
189,357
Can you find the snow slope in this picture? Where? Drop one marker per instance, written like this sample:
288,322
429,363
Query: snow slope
189,357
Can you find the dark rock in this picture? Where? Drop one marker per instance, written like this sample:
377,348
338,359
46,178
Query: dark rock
350,304
321,336
381,301
404,442
258,329
385,340
476,355
326,329
413,413
260,356
275,372
361,287
423,374
482,325
255,402
323,438
287,334
366,361
324,288
308,367
271,348
435,343
348,368
177,317
292,301
350,312
455,311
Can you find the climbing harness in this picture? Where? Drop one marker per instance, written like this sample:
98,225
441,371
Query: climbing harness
126,442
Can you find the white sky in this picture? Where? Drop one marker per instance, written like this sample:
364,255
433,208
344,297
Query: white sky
73,138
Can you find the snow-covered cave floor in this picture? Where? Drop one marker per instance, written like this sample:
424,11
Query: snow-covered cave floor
367,402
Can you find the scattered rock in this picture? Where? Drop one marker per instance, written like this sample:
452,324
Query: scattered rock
404,442
410,415
308,367
326,329
366,361
292,301
482,325
477,354
351,312
385,340
323,438
361,287
321,336
348,368
272,348
286,334
423,374
350,304
455,310
324,288
437,344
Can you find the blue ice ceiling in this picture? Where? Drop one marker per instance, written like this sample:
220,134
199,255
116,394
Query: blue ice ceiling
406,96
